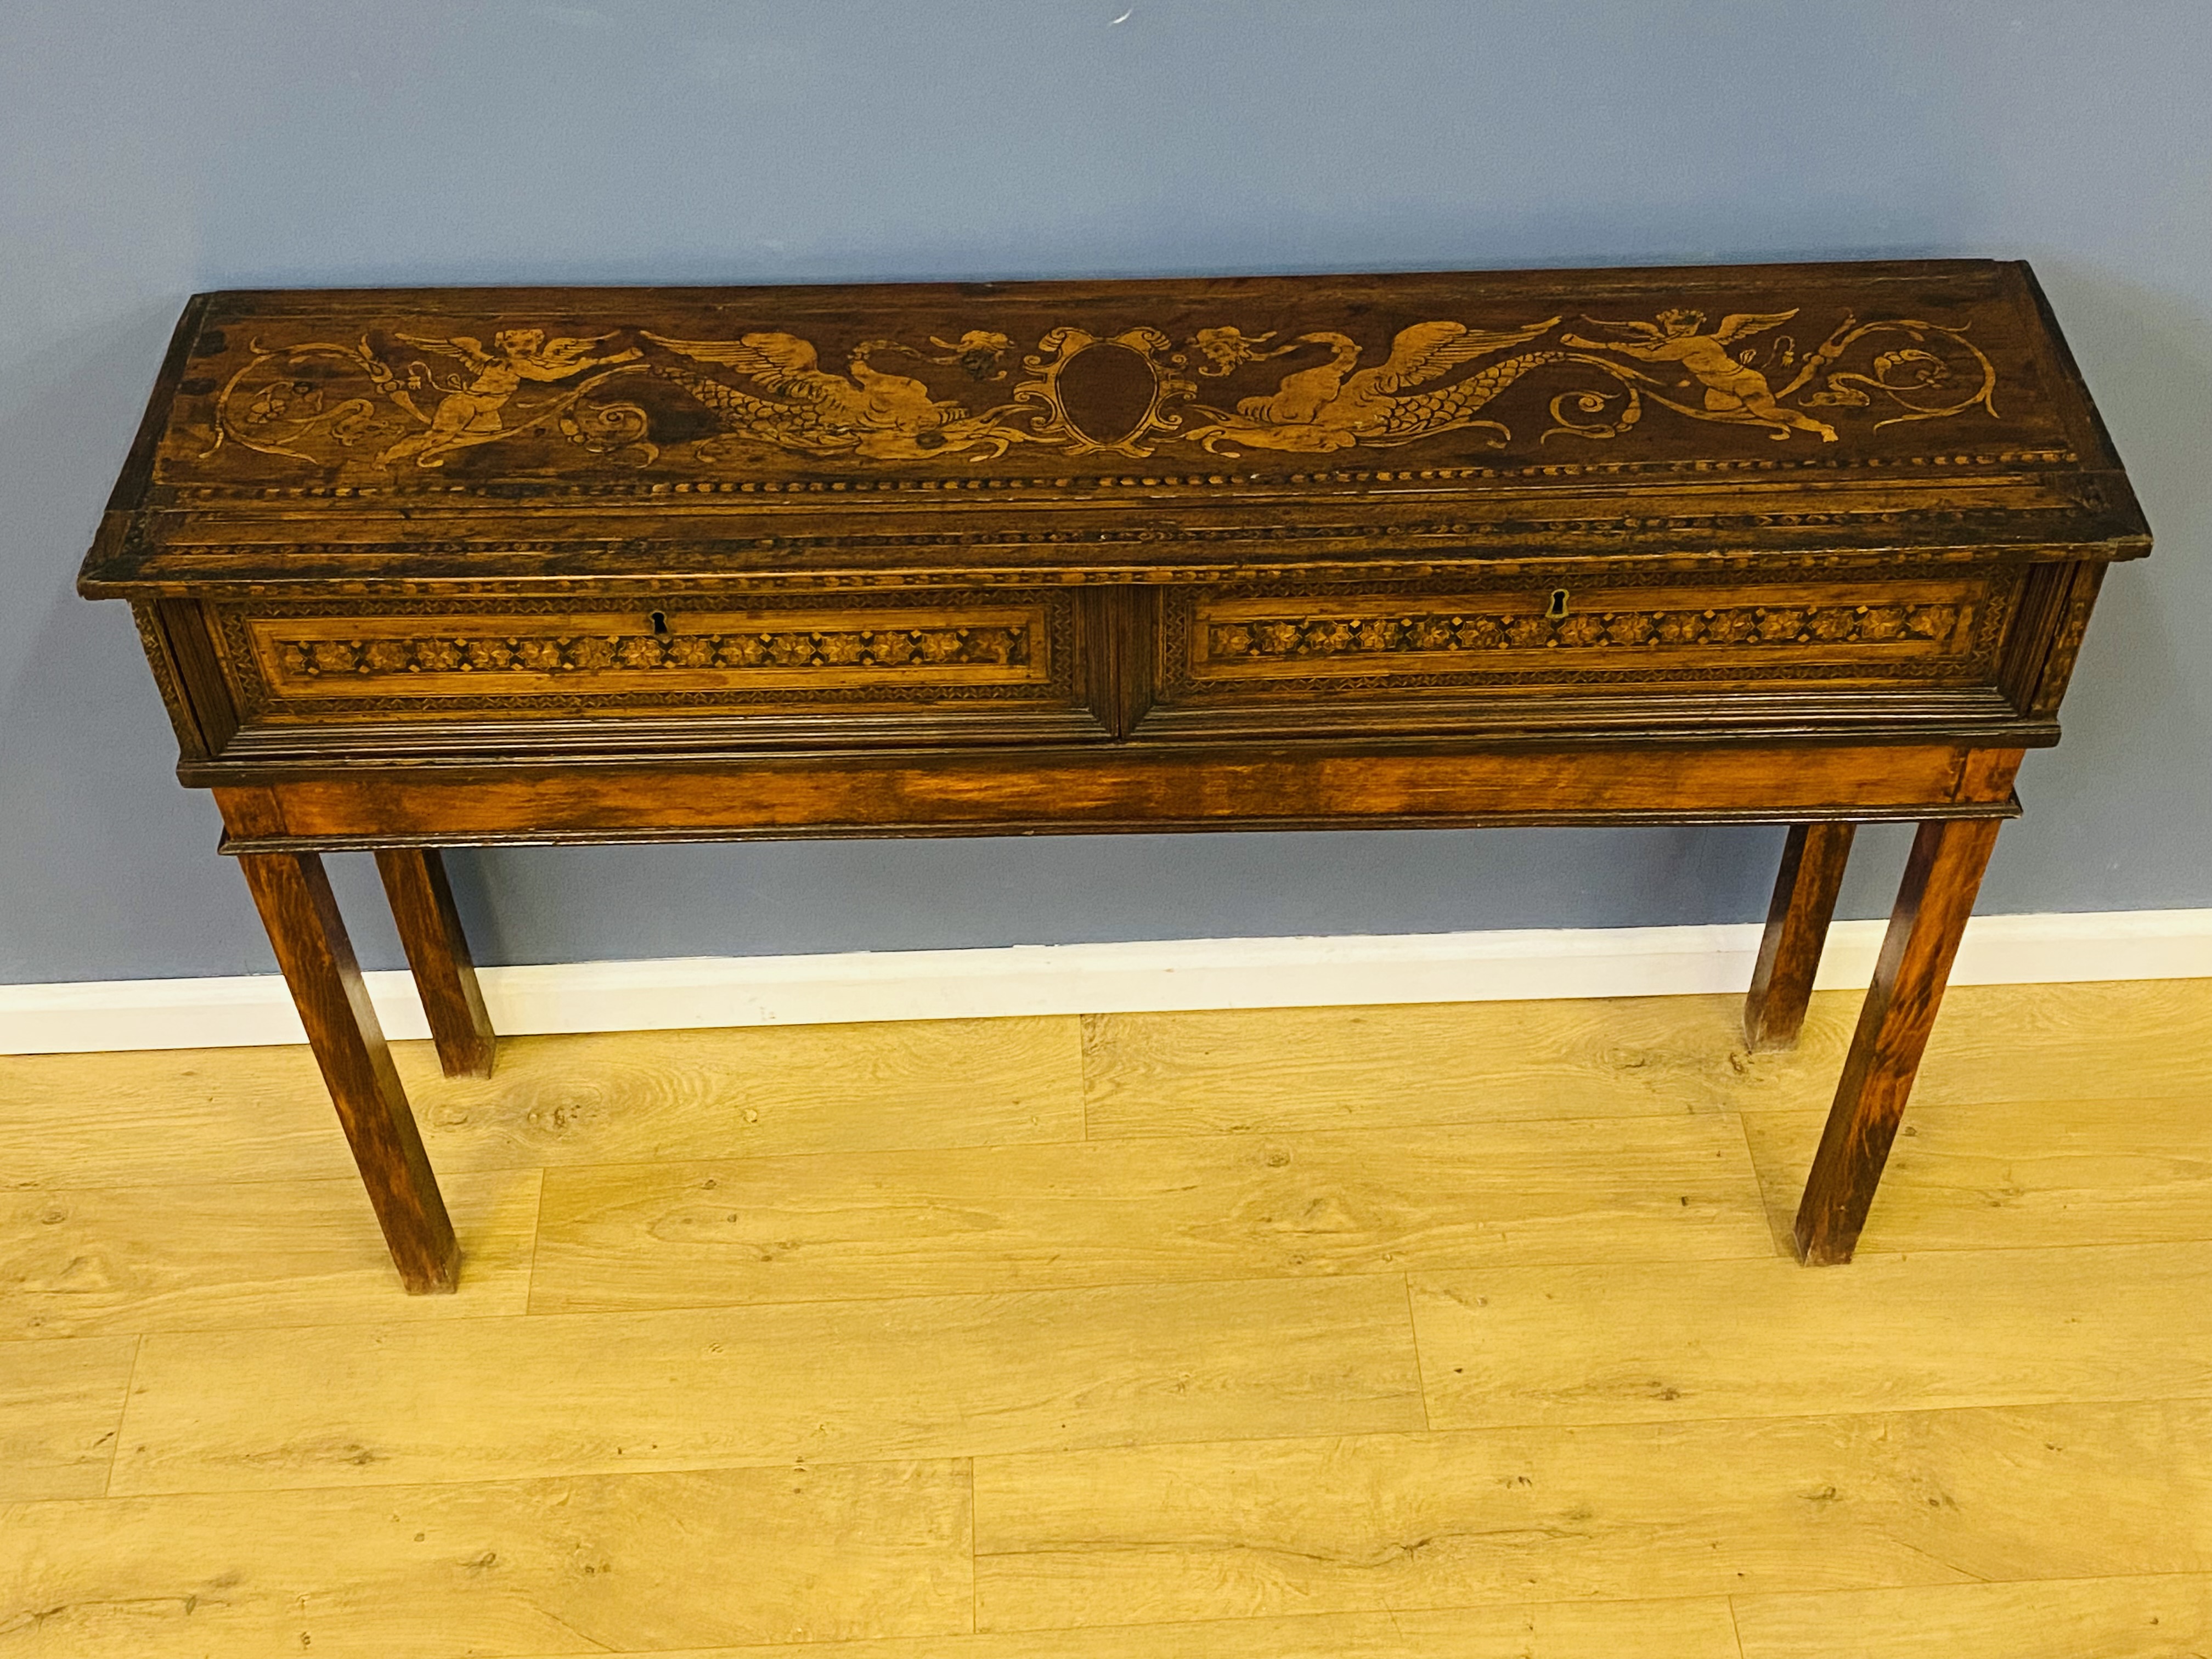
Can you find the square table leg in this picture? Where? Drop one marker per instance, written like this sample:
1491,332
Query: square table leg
1941,879
1812,874
310,939
438,952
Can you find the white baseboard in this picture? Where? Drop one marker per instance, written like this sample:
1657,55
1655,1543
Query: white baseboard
1063,979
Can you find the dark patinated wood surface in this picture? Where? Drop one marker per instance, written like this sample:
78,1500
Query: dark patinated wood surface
438,953
302,920
1810,543
1805,890
1941,879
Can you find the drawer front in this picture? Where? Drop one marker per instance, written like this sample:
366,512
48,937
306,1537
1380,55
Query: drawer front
954,657
1282,645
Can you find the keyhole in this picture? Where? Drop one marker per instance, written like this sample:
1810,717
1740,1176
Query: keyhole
659,621
1559,607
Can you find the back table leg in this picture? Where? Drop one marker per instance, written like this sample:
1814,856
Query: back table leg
1941,879
302,920
1796,927
445,978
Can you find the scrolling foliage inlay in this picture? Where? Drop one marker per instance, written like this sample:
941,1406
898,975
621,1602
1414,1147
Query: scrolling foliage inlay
365,407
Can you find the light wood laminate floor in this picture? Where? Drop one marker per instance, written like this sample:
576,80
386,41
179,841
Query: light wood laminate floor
1399,1333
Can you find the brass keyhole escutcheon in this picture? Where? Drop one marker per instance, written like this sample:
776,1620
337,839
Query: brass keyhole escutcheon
658,619
1558,605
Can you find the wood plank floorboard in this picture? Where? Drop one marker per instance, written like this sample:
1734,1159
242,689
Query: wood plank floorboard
1996,1174
216,1256
1324,1334
1671,1341
2147,1618
1458,1518
1697,1629
1126,1211
1324,1068
745,1556
492,1399
160,1118
59,1405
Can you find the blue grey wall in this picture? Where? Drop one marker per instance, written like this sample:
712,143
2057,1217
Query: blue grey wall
147,151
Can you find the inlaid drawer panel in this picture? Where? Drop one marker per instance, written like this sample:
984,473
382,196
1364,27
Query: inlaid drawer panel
314,664
1224,646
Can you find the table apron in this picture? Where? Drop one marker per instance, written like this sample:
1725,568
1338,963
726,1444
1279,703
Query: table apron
991,795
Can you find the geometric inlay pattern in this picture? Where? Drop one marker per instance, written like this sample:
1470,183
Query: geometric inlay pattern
1466,631
766,648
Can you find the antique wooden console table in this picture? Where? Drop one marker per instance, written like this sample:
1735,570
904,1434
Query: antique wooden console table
1812,545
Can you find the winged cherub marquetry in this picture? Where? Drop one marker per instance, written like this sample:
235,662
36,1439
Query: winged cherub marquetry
1735,391
1335,404
470,412
353,408
800,406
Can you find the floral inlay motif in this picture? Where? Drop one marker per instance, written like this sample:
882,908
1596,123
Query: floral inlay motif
1470,631
889,649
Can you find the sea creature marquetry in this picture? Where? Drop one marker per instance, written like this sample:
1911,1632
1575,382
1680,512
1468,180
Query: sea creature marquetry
975,395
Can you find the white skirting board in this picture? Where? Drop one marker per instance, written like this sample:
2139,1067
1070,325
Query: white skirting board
1064,979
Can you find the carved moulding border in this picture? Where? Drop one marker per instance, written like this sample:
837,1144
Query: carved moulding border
1991,609
1467,573
257,698
1356,539
1214,478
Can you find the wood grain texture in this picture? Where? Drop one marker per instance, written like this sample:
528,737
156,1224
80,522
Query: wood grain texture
1942,877
2151,1617
1258,1529
59,1405
2011,1173
1248,1544
733,1556
162,1116
1286,1069
210,1256
599,588
702,450
301,917
1689,1628
1805,890
1143,1210
919,1376
1253,786
764,1090
1740,1339
438,952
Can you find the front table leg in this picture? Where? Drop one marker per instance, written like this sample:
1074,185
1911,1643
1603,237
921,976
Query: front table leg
302,919
438,952
1940,878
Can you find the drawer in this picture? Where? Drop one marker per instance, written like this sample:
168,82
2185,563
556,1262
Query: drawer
1462,651
659,664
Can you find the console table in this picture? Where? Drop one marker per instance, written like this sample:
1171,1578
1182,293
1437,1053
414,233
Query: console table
1814,544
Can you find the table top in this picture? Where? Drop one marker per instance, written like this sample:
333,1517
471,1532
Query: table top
1171,430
